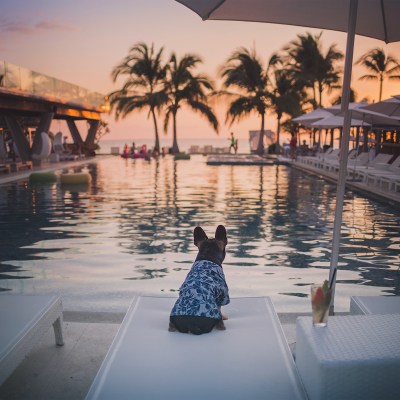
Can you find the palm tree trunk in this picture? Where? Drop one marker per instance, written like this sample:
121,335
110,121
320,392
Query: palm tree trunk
157,144
314,94
260,147
320,94
175,147
380,87
278,134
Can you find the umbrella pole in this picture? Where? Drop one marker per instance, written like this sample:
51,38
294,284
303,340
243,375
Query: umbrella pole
344,150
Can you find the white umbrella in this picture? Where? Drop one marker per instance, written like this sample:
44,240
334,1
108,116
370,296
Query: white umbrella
362,111
336,121
377,19
389,107
313,116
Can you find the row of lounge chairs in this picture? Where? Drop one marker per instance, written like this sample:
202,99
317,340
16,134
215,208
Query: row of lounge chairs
382,170
250,360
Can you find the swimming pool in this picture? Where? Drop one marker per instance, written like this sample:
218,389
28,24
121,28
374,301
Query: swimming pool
130,232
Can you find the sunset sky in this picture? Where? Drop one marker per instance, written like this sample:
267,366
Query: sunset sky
81,41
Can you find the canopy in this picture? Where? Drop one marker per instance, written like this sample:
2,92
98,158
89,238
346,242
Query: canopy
313,116
336,121
389,107
377,19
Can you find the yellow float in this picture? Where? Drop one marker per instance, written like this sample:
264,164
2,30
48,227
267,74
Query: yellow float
79,178
182,156
42,177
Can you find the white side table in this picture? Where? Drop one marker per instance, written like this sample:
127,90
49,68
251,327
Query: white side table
354,357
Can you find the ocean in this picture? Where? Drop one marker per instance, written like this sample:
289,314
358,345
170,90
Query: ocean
184,144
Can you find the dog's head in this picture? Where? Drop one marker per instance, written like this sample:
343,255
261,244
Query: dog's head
211,249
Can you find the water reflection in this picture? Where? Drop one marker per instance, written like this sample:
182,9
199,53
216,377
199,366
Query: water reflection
130,230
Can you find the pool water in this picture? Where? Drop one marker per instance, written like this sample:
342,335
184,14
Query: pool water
130,232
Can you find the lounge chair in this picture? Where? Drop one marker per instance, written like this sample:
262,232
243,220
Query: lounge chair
358,170
60,154
23,321
250,360
380,171
367,305
328,158
392,180
314,159
333,165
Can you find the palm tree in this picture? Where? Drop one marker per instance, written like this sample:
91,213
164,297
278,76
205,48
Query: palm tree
245,72
380,66
143,87
183,87
311,68
338,99
286,94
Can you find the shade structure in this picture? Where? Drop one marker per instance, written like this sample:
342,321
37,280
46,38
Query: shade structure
389,107
313,116
362,112
336,121
377,19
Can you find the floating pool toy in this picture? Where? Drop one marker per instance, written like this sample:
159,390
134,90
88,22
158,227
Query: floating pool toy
79,178
182,156
42,177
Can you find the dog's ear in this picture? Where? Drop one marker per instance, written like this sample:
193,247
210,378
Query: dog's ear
199,236
220,234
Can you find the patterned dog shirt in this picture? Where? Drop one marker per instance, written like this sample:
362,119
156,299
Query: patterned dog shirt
203,291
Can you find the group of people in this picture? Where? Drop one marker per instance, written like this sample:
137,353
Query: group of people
303,149
141,152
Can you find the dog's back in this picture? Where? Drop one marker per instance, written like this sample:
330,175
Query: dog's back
204,290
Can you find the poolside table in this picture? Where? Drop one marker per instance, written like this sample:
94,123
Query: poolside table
354,357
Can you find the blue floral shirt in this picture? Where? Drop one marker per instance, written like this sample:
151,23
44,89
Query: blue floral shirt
203,291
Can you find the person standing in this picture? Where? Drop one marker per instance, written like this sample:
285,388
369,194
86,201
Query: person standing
232,139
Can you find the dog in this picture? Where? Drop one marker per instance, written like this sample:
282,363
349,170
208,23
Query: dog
198,307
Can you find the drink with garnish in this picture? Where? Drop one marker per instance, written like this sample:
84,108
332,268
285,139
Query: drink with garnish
320,301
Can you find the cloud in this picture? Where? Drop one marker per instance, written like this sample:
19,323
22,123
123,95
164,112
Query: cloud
49,25
23,28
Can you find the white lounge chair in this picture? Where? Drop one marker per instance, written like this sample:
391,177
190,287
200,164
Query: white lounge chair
329,158
60,153
359,170
367,305
250,360
334,164
380,171
23,321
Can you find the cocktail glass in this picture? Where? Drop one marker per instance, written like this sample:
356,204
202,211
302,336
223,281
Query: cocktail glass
320,301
